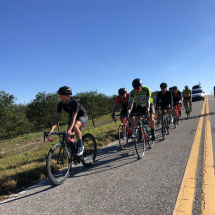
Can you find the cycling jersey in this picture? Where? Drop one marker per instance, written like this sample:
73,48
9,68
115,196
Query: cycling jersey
164,99
187,94
74,106
142,97
124,102
177,96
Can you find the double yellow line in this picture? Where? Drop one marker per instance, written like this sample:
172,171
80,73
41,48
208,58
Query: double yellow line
184,203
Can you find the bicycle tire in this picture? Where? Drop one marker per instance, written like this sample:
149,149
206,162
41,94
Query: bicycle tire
149,138
175,120
163,128
90,150
58,172
167,124
123,142
139,142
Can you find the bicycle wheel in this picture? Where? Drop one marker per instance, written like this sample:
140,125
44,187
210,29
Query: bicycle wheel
139,142
123,137
167,124
90,150
150,142
58,163
175,120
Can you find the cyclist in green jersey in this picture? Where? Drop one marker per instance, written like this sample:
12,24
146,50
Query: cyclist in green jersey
141,95
187,94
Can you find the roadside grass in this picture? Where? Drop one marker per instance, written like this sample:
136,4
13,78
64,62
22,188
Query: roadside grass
23,159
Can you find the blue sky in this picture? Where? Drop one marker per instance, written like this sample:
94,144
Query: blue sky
104,44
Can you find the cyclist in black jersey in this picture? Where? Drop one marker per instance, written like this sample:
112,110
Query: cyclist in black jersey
78,115
164,99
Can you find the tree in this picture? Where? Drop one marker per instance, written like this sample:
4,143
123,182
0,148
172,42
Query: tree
13,120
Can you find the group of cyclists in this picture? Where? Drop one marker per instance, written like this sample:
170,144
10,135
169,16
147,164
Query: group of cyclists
139,100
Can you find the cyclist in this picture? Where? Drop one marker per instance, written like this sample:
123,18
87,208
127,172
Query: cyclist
177,98
187,94
122,99
142,97
164,99
78,115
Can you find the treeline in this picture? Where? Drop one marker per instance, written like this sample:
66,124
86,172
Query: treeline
40,113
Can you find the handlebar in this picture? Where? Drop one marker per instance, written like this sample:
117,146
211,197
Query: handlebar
58,133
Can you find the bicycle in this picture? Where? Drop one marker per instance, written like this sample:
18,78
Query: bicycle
124,131
187,108
176,119
165,124
61,155
142,135
158,113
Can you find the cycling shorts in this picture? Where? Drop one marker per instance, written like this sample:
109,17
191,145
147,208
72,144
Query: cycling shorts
142,110
187,98
83,119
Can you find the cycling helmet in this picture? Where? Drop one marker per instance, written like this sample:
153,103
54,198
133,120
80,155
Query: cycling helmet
186,87
175,88
65,91
156,92
122,91
137,83
163,85
170,89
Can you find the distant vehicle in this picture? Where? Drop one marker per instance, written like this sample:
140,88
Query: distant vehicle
197,93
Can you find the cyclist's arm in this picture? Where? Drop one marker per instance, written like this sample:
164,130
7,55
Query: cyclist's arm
148,103
116,108
130,107
56,120
171,99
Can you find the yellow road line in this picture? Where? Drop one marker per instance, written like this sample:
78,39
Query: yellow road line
208,182
184,203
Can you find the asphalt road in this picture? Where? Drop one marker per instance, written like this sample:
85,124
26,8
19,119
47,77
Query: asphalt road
119,182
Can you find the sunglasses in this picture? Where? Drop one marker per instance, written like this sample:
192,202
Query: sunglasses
162,88
62,96
139,88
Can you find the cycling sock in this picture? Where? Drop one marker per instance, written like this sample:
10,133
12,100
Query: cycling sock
80,143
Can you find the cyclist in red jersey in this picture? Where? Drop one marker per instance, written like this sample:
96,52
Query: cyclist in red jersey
122,99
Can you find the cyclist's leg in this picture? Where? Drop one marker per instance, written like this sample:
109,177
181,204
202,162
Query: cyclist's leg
134,120
80,122
122,113
152,120
179,109
190,101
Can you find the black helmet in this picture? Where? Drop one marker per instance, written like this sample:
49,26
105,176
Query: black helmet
175,88
122,91
163,85
65,91
170,89
137,83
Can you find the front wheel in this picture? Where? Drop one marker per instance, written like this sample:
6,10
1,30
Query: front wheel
139,142
58,163
90,150
123,137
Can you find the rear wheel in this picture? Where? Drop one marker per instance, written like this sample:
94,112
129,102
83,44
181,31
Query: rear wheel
123,137
163,129
90,150
58,163
139,142
175,120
